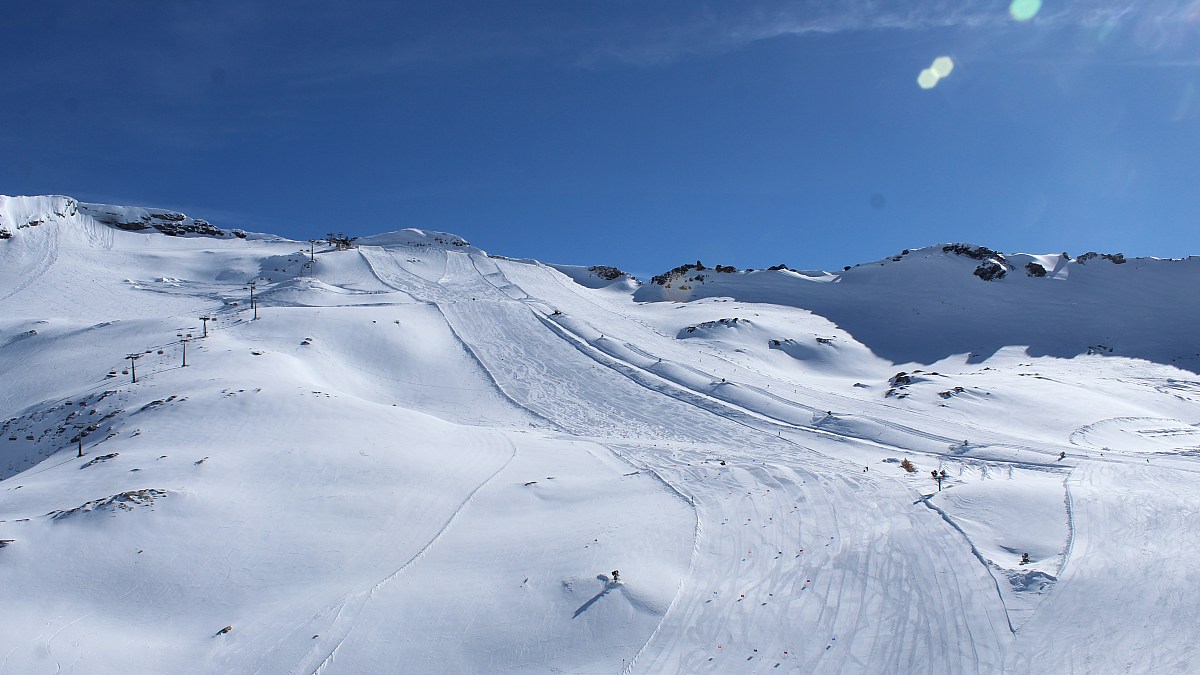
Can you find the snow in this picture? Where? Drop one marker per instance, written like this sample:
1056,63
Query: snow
424,458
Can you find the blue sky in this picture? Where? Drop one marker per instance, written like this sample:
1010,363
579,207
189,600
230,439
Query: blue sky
636,133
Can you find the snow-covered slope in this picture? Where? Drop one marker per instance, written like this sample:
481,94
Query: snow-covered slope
931,303
422,458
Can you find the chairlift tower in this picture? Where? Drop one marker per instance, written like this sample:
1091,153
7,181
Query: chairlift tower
183,340
133,365
79,437
253,303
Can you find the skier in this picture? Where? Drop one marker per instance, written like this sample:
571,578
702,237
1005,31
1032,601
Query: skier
616,576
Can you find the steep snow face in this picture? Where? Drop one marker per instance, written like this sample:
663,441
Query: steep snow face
18,213
412,456
26,213
168,222
928,304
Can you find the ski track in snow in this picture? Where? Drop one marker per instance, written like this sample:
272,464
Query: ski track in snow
492,314
1145,509
362,598
49,257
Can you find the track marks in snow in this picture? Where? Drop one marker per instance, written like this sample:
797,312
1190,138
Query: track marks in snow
360,599
783,568
862,564
49,257
1133,525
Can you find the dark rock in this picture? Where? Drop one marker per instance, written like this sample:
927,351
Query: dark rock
990,271
1115,258
606,272
975,252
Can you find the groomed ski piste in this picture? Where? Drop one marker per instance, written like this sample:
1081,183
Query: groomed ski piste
422,458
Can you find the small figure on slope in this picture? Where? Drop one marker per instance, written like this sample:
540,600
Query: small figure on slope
616,576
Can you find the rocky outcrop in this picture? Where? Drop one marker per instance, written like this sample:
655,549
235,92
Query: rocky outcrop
1115,258
170,223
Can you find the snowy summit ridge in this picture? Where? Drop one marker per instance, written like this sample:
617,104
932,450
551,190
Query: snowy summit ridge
225,452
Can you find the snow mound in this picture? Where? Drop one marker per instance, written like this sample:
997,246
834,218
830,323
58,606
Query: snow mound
415,238
599,276
1140,435
125,501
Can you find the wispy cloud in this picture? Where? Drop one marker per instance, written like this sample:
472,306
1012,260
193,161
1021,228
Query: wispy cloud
1144,26
653,33
190,51
717,31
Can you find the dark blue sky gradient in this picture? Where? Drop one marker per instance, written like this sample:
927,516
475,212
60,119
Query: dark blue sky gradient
640,134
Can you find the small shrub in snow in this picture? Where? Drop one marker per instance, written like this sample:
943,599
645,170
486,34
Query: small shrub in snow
907,466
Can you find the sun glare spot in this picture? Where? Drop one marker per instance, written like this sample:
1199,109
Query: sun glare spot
942,66
1024,10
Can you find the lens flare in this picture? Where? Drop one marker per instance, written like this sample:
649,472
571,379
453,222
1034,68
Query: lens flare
1024,10
942,66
